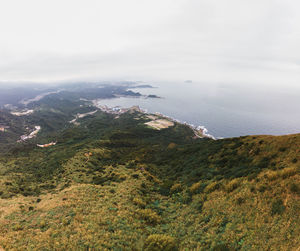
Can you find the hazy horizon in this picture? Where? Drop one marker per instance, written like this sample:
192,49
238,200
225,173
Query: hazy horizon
241,42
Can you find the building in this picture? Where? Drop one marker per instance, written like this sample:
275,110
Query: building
3,128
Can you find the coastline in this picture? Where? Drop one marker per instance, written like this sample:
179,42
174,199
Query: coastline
199,131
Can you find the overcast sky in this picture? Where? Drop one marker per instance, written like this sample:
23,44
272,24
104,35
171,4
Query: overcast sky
249,41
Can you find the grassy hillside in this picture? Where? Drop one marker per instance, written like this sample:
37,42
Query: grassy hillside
14,127
115,184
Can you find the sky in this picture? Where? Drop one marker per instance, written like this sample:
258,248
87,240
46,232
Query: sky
249,41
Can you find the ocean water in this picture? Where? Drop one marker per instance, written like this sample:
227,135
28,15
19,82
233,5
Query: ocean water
226,110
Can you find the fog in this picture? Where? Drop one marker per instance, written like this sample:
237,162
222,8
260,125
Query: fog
243,42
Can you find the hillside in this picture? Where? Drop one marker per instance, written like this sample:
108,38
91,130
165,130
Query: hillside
114,183
51,108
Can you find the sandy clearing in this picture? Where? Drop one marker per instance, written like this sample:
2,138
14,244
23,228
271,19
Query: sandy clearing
160,124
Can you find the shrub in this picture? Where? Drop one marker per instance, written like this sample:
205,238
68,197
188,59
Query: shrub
252,189
99,180
198,204
139,202
262,188
294,160
240,200
66,221
130,165
272,175
277,207
252,176
195,188
282,149
294,188
176,188
185,198
164,189
212,187
171,145
288,172
256,151
232,185
264,163
160,242
135,175
43,224
149,216
221,247
17,227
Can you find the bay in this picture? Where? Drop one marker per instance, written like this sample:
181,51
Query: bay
226,110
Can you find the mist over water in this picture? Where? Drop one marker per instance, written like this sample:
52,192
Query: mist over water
226,110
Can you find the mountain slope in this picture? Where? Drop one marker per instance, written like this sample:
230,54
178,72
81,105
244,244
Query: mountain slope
112,183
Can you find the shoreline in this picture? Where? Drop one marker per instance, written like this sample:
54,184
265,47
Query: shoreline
199,131
196,129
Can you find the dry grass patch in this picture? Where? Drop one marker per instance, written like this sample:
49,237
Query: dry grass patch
160,124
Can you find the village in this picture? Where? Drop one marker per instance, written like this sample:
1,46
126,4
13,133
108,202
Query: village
3,128
117,109
31,135
22,113
158,120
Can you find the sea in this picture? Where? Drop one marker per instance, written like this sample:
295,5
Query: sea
225,110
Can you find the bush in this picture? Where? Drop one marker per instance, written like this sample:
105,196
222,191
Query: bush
232,185
198,205
288,172
272,175
139,202
252,176
164,189
277,207
264,163
171,145
221,247
294,160
282,149
149,216
262,188
212,187
252,189
17,227
294,188
195,188
160,242
176,188
43,224
240,200
185,198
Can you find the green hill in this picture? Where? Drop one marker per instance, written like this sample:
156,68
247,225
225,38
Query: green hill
112,183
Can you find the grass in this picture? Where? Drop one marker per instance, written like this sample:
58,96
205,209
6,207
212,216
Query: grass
116,185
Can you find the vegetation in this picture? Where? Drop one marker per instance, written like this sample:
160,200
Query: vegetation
114,184
156,242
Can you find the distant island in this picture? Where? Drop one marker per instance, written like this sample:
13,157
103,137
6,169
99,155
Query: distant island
153,96
143,86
